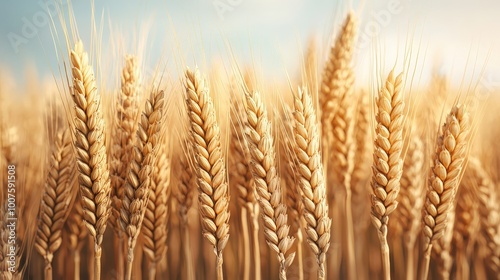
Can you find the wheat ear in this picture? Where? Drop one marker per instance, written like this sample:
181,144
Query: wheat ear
411,199
310,169
337,78
154,225
184,196
451,150
290,181
241,180
467,225
75,231
90,150
387,163
264,170
209,165
123,132
489,213
56,200
138,184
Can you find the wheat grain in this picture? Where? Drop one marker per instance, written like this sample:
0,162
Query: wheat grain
210,166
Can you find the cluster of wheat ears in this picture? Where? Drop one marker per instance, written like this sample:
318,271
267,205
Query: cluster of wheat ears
287,183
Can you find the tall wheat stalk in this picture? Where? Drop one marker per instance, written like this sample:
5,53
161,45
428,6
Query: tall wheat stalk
138,184
387,162
264,170
444,179
310,168
90,150
209,165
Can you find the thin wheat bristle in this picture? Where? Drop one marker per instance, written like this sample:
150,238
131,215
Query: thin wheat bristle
210,166
56,200
312,183
267,183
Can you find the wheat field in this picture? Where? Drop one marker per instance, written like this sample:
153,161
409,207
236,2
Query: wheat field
220,174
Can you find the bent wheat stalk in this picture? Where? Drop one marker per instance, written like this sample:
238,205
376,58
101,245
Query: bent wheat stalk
449,159
209,165
387,163
56,200
264,170
90,150
138,184
310,169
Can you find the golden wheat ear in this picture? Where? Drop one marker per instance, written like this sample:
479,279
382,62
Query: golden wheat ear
387,161
312,183
209,165
123,134
267,183
56,200
138,184
449,160
90,150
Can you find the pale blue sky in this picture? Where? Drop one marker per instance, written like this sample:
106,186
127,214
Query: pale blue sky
274,31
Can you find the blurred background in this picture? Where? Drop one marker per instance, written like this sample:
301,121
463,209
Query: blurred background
448,35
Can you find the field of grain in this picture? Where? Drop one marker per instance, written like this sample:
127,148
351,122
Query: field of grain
219,173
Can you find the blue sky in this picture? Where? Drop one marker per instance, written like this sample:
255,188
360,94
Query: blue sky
272,33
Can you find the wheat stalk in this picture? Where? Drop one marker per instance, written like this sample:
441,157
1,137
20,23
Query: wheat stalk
264,170
56,200
90,150
138,184
310,169
209,165
444,179
154,225
123,135
387,162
